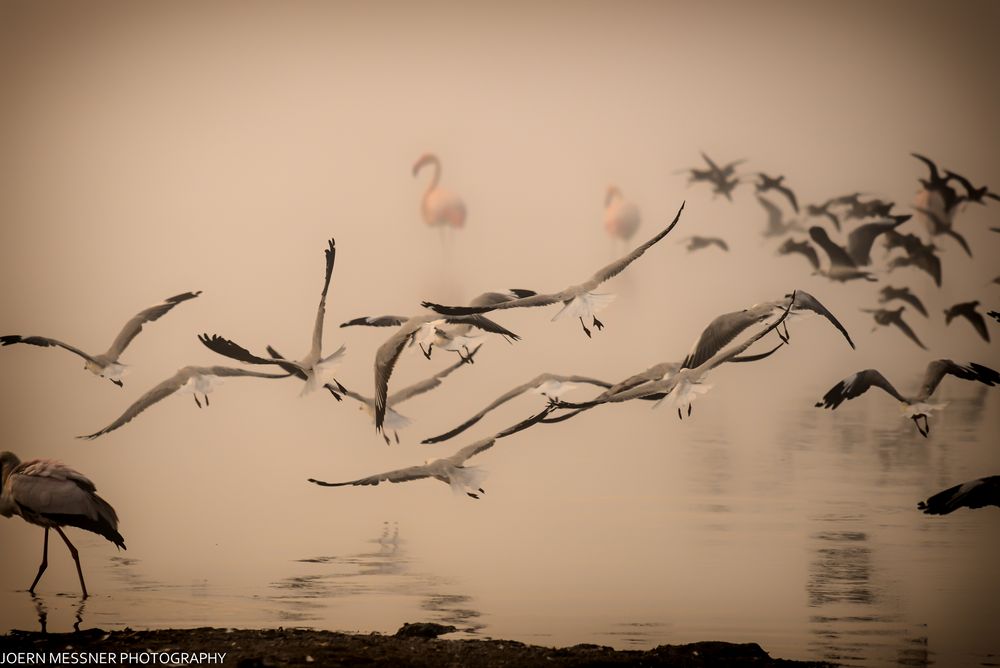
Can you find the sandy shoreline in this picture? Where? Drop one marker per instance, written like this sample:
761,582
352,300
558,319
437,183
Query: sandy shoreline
414,645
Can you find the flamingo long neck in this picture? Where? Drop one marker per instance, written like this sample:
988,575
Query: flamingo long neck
436,177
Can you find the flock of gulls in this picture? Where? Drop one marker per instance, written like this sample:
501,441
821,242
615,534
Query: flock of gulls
51,495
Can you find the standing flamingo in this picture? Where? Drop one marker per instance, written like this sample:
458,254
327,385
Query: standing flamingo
439,207
621,217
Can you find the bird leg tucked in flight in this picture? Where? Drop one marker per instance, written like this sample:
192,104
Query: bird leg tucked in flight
117,382
585,330
196,400
466,356
427,351
598,324
926,429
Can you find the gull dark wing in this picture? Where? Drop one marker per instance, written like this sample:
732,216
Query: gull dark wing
428,384
803,247
44,342
483,323
804,300
720,332
134,326
618,266
938,369
376,321
837,255
854,386
385,361
787,192
399,475
860,240
317,342
507,396
906,329
977,493
232,350
159,392
468,451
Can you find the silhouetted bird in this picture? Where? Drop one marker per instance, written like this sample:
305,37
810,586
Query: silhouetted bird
777,225
804,247
939,226
859,240
968,311
817,210
972,194
916,406
888,318
888,293
977,493
876,208
776,183
938,184
720,177
918,254
697,243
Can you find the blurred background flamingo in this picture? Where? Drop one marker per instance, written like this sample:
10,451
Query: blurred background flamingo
621,217
439,207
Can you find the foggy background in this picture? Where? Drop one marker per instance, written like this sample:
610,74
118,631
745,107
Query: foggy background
148,150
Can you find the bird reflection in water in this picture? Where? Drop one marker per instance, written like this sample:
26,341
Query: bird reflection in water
382,571
845,594
43,613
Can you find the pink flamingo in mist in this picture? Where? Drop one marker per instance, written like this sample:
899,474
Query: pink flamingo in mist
621,217
439,207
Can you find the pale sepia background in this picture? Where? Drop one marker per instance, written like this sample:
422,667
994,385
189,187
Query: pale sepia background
148,149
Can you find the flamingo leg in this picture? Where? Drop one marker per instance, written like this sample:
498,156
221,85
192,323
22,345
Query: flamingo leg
44,564
76,558
585,330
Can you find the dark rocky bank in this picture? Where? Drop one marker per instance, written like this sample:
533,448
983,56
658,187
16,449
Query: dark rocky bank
413,645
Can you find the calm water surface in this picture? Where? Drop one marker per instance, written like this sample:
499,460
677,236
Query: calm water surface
805,539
